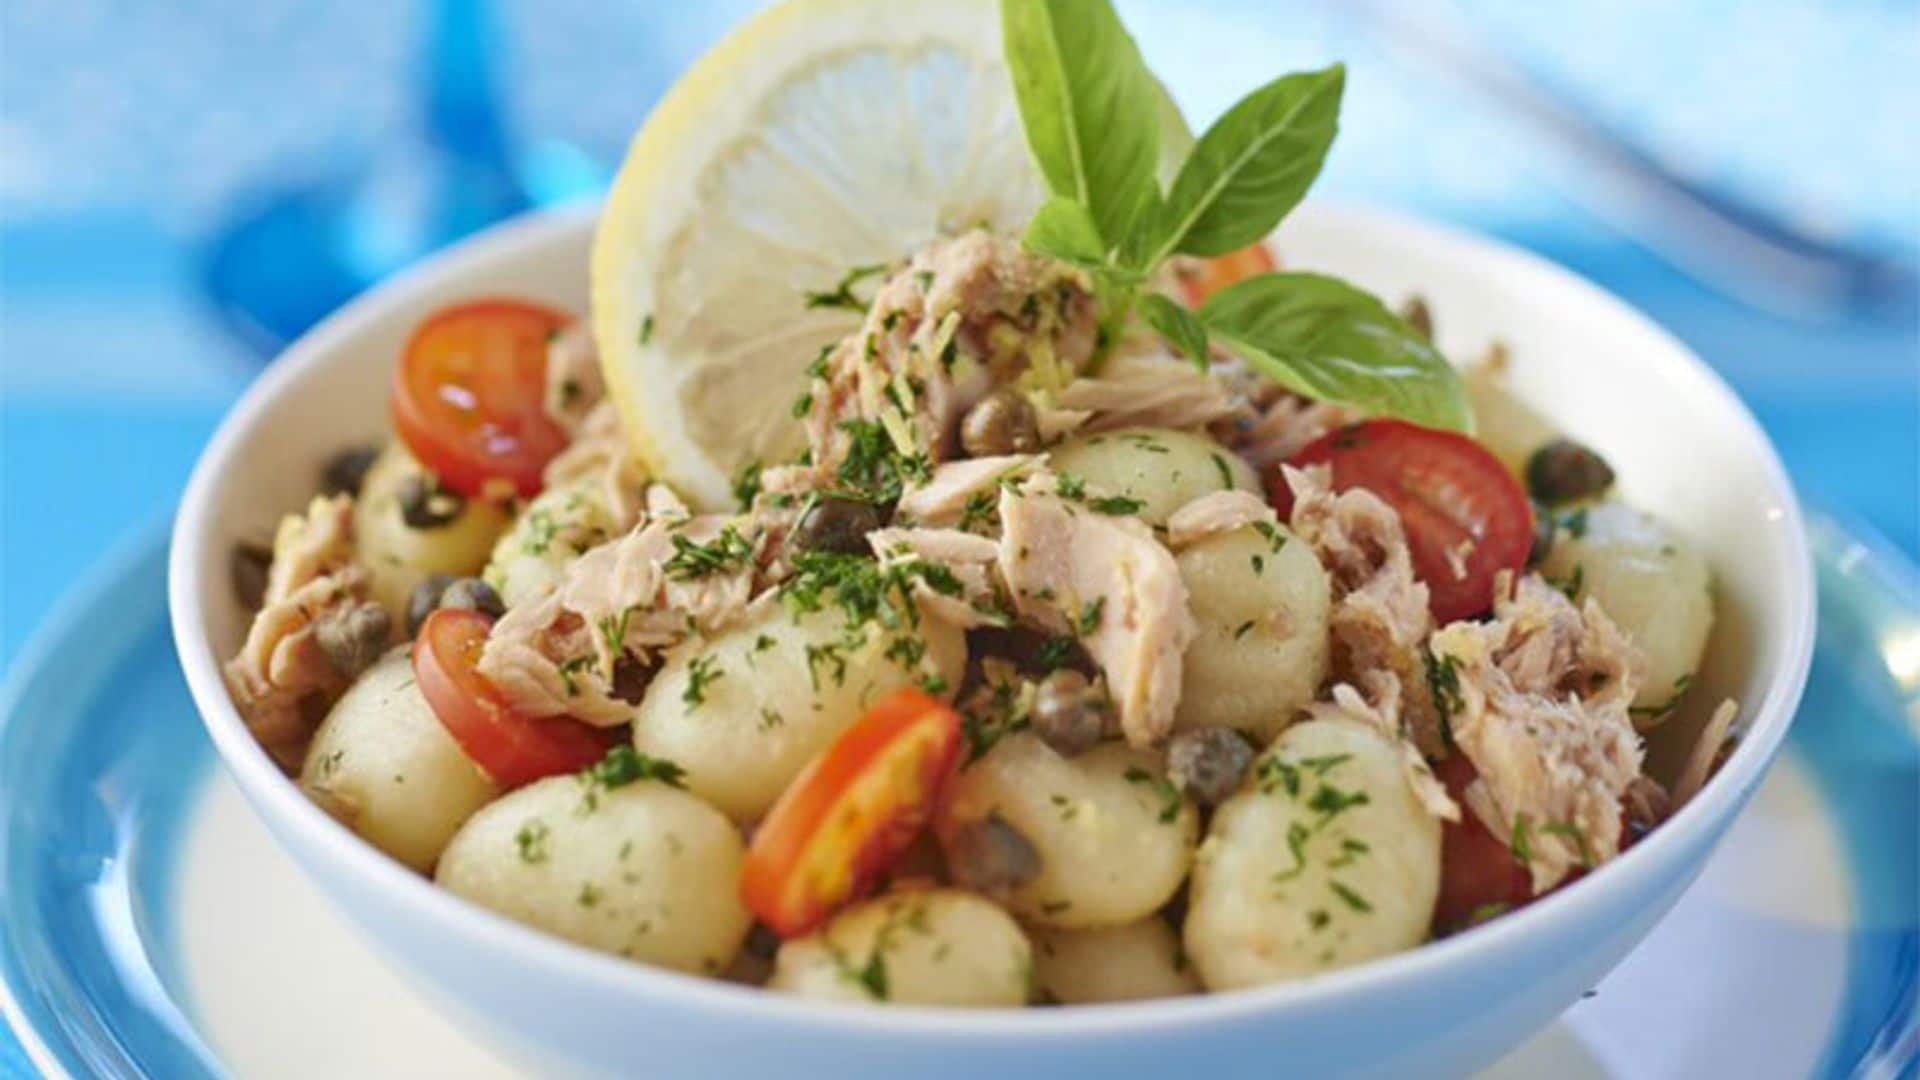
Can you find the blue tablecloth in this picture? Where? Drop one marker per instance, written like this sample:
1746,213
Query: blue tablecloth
129,130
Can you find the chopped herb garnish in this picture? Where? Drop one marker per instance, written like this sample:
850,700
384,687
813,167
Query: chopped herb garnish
589,894
842,295
1297,834
1567,830
1680,686
1070,486
746,484
1226,472
1443,679
1350,898
1116,505
724,553
646,329
1575,523
703,672
1090,614
1329,801
1520,842
624,765
1054,653
531,842
1168,792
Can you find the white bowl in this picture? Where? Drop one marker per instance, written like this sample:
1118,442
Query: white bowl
1684,448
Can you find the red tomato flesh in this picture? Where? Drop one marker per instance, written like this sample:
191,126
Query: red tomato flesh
512,749
1211,275
848,818
1456,502
1479,877
469,395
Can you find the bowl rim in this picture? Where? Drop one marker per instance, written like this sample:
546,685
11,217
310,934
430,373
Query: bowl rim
274,797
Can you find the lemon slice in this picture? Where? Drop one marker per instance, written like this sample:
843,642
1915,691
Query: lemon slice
821,136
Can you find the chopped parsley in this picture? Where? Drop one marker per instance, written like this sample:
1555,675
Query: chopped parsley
1090,615
1567,830
1168,792
1350,898
724,553
589,894
531,842
1329,801
979,510
875,470
1521,842
703,672
624,765
746,484
1443,679
1226,473
571,667
842,294
1680,686
1297,835
646,329
1070,486
1116,505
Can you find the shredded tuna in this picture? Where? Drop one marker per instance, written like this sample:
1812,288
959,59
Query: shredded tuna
600,455
281,680
574,382
1148,390
1379,615
1107,581
968,558
1216,512
953,488
1540,697
1708,751
622,603
966,314
1379,709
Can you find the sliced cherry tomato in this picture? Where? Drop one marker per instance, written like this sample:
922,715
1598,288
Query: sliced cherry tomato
469,395
1465,516
1479,877
1214,274
510,748
851,814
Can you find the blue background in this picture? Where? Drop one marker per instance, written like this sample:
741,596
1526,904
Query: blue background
129,132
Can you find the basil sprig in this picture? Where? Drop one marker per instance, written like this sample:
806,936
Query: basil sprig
1095,119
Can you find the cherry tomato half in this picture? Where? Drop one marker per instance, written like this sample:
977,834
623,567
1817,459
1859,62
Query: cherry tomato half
850,815
510,748
469,395
1214,274
1479,877
1465,516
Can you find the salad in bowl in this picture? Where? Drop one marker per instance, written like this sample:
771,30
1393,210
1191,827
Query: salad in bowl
1003,582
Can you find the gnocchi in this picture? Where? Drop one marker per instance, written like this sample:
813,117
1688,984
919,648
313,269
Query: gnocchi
1653,585
744,711
1162,468
931,947
1261,602
1114,836
1326,858
530,558
643,870
400,555
1117,963
385,765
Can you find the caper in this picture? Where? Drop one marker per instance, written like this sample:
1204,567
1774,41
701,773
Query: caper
1418,316
1069,713
1564,470
1208,762
836,524
352,636
991,856
345,471
424,600
475,595
1002,423
1543,532
247,567
424,504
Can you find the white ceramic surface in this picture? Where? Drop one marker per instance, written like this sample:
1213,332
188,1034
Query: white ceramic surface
1684,447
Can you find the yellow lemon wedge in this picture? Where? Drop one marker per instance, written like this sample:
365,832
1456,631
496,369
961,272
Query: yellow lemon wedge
820,137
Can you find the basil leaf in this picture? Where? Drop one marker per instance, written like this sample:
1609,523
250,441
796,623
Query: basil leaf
1321,337
1065,230
1250,168
1090,107
1178,326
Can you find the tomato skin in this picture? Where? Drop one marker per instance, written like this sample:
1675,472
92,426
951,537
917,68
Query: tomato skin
851,814
1478,874
513,750
1448,490
469,395
1214,274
